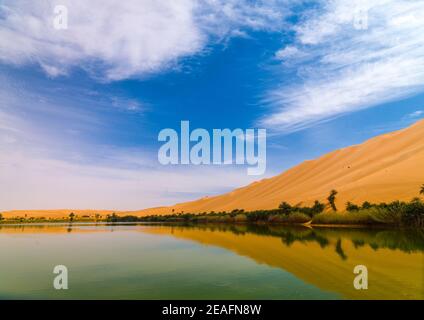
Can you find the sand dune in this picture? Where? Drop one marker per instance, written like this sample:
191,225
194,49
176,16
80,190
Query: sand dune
385,168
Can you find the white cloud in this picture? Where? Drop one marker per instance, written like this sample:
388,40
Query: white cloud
340,69
287,53
120,39
349,69
52,71
415,114
127,104
127,37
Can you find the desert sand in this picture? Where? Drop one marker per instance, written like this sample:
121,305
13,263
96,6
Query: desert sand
385,168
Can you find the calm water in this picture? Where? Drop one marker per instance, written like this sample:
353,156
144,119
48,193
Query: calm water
209,262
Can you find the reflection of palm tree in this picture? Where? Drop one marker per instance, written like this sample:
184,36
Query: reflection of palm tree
288,239
323,242
339,250
358,243
303,235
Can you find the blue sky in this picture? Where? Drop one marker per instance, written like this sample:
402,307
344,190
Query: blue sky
80,109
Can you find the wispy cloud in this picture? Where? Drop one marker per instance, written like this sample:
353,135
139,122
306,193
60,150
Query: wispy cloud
131,105
339,68
121,39
346,68
415,114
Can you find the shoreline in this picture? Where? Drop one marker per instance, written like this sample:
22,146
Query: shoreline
193,223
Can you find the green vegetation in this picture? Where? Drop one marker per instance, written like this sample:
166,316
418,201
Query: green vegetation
112,218
354,218
284,214
71,218
396,213
351,207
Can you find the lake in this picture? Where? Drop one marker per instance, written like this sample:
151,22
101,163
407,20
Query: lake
142,261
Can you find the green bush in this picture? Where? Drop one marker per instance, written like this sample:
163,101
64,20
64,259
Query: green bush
359,217
240,218
351,207
298,217
285,207
277,218
413,214
225,218
387,215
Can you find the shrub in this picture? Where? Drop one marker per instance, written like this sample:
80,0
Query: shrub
224,218
285,208
298,217
278,218
240,218
359,217
387,215
413,214
366,205
351,207
318,207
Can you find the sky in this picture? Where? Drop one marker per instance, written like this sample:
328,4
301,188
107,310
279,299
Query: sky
81,107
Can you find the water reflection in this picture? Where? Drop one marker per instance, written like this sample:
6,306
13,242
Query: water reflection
321,257
407,240
325,257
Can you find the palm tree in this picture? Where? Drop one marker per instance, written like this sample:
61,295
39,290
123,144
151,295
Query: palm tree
332,198
71,216
422,190
285,207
